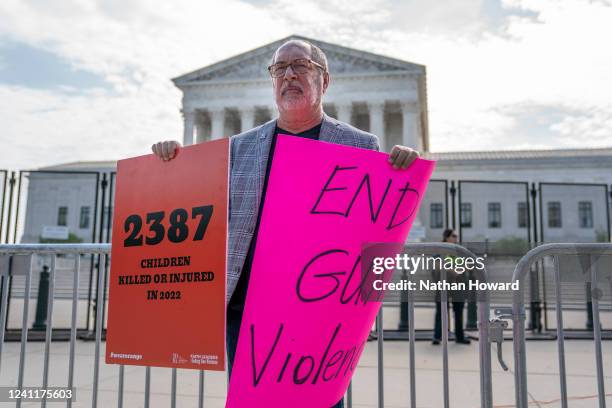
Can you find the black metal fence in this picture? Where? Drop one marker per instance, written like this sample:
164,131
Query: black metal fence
479,210
80,202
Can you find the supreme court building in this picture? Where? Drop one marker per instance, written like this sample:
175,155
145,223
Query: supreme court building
387,96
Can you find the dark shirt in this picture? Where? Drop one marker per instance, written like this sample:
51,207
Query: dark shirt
239,297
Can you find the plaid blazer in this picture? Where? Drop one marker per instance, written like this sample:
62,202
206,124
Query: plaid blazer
248,161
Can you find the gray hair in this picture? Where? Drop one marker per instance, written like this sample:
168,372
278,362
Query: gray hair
316,53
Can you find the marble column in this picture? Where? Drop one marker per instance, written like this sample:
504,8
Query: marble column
247,119
217,120
201,134
344,112
377,122
410,126
188,124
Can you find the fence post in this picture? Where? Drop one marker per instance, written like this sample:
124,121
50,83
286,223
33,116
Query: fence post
97,264
12,181
534,194
9,280
40,323
453,192
103,219
3,199
535,310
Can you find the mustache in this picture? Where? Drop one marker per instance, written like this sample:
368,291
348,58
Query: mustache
291,87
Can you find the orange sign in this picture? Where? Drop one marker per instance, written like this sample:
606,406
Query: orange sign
167,281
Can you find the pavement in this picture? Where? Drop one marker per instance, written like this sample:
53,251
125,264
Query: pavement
464,388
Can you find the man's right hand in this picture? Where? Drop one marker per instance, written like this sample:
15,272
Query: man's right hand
166,150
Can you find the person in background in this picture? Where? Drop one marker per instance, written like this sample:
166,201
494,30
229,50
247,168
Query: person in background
458,299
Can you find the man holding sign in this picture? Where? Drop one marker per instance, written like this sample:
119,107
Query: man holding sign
300,77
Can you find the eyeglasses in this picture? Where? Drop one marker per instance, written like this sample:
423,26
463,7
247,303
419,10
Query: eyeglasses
299,66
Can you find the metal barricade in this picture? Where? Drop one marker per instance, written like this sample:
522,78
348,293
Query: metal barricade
486,393
30,250
103,251
518,316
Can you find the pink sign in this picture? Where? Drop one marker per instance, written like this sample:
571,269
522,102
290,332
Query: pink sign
305,323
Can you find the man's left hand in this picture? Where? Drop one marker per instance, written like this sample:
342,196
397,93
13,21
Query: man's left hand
401,156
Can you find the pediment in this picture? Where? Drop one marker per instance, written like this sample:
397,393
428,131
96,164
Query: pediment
253,64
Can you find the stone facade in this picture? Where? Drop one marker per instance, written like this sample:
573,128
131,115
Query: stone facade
573,185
